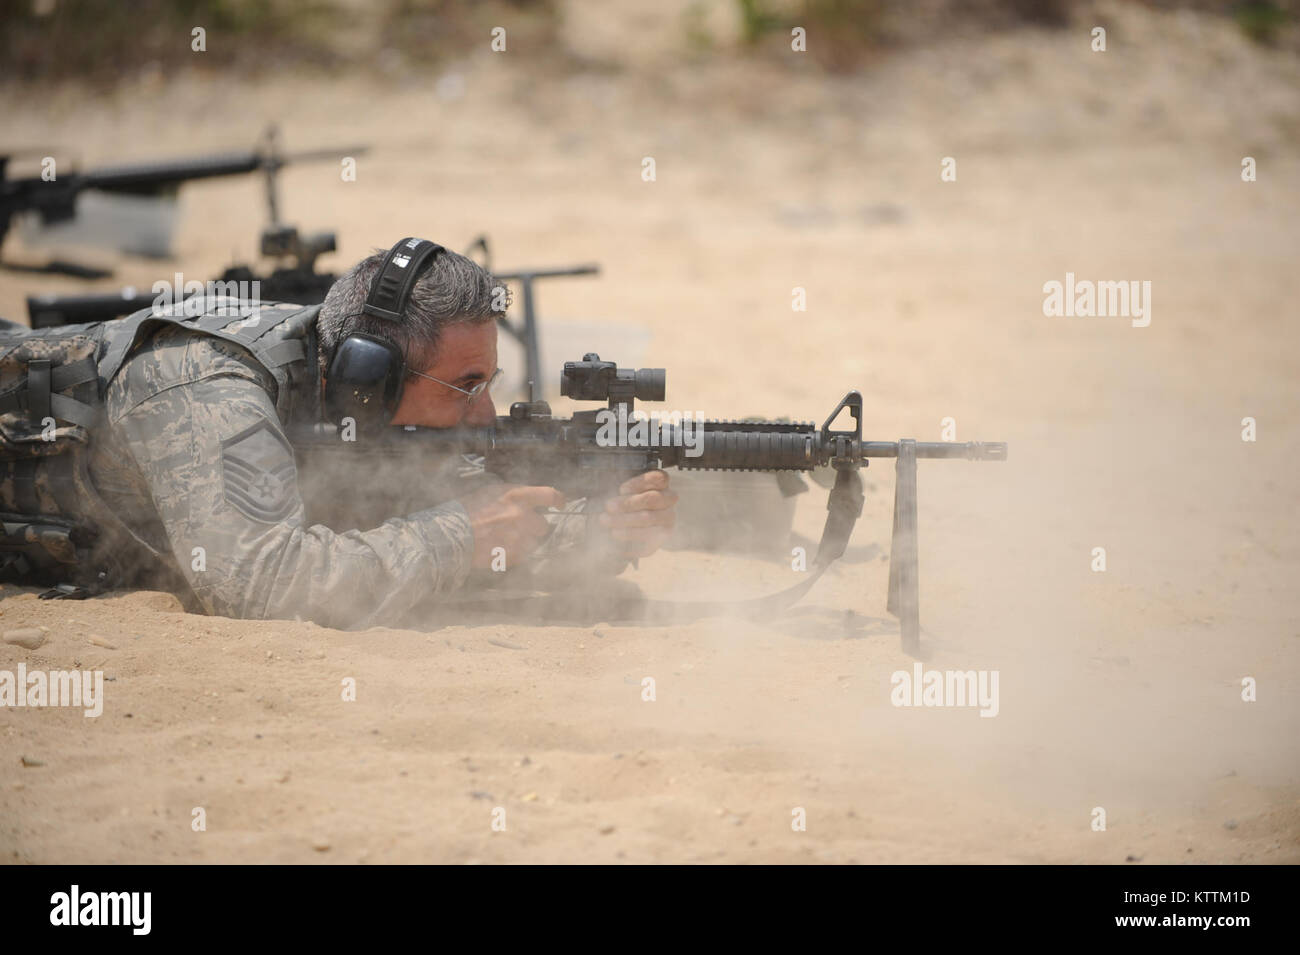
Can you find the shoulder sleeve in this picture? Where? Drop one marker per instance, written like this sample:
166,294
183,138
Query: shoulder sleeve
198,417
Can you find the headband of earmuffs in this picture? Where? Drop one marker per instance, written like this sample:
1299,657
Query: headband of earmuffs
390,292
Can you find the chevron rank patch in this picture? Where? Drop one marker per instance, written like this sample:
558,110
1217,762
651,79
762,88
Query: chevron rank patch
258,474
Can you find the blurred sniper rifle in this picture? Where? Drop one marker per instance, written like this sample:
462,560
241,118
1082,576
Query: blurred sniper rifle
294,277
55,200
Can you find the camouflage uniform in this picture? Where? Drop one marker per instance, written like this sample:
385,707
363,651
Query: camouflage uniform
193,437
194,457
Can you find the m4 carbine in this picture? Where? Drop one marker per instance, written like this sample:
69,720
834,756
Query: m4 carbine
588,455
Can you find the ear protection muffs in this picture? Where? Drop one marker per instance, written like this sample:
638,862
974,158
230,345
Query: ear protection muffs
367,373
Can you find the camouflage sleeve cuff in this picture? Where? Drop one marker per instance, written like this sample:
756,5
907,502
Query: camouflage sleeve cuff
449,536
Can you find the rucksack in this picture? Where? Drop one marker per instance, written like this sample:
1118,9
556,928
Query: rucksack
49,405
57,530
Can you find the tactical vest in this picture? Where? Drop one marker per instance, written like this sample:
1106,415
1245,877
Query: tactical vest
53,383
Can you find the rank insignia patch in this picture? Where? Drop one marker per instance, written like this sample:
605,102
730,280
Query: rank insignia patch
258,474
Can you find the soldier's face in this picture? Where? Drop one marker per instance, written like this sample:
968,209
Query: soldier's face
467,355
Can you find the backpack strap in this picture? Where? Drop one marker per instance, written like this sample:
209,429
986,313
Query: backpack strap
39,396
38,389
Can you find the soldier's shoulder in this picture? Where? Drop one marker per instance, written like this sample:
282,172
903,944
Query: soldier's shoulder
175,356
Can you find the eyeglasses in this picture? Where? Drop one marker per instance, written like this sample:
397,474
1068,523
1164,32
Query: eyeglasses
469,393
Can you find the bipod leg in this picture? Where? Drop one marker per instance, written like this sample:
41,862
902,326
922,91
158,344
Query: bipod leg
904,599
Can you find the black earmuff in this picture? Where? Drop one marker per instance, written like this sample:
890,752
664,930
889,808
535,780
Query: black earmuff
366,374
364,382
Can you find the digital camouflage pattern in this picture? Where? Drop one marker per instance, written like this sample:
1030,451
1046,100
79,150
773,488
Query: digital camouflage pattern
181,409
190,482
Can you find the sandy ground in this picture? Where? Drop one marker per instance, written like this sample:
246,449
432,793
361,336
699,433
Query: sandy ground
1120,690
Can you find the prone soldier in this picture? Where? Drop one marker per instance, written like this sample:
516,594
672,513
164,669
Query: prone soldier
159,450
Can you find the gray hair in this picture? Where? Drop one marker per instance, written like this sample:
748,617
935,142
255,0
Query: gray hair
452,290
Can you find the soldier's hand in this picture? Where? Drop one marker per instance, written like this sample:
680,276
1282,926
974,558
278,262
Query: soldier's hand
505,515
643,515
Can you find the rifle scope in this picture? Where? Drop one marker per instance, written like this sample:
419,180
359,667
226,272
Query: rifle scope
594,380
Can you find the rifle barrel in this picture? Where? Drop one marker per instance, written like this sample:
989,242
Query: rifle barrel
725,447
150,176
970,450
49,311
520,275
